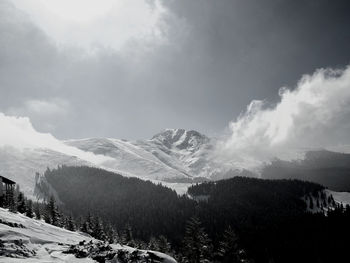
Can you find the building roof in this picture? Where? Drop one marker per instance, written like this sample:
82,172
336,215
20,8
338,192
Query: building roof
7,181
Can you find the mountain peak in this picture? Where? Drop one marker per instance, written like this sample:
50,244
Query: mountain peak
181,138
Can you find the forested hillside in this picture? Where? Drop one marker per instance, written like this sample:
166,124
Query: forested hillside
269,217
266,218
148,208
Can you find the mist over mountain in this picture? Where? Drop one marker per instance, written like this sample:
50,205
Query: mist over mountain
331,169
173,156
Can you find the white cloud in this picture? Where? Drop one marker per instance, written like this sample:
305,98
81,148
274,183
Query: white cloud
46,112
92,24
316,114
19,133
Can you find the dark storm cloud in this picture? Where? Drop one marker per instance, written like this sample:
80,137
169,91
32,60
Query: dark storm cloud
244,50
219,56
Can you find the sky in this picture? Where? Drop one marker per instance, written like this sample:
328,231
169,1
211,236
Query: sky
131,68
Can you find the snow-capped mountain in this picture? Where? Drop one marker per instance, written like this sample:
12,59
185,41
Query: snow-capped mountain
174,155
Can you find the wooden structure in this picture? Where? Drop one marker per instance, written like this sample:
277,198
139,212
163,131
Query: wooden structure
6,185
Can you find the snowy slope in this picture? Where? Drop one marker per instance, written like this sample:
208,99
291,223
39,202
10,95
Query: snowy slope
32,240
39,237
340,197
174,155
21,165
25,151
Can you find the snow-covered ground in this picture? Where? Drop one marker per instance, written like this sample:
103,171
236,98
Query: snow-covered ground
174,156
37,236
340,197
43,242
21,165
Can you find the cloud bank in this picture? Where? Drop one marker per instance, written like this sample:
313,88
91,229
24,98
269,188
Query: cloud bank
181,64
19,133
316,114
94,24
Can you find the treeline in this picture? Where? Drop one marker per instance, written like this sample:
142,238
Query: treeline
266,220
151,210
196,246
16,201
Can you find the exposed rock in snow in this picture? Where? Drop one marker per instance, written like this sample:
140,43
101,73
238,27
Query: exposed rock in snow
34,241
23,239
174,155
104,252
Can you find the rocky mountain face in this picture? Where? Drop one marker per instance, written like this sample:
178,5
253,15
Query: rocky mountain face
174,155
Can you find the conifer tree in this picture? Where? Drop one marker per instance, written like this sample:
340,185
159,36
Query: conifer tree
98,230
10,200
21,205
197,247
111,234
126,237
87,225
311,203
29,208
52,215
70,224
153,244
229,250
37,211
164,245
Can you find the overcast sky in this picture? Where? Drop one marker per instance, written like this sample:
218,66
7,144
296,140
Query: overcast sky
130,68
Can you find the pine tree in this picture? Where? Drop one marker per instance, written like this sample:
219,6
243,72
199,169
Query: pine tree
324,202
52,215
37,211
153,244
311,203
229,250
126,237
70,225
10,200
21,205
29,209
164,245
98,230
112,235
197,247
64,221
87,224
